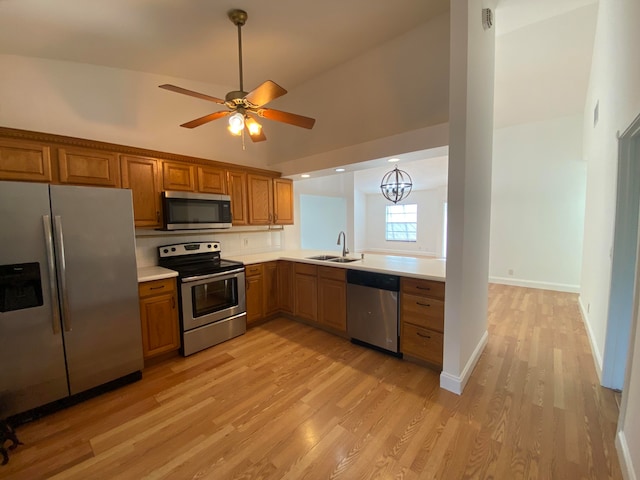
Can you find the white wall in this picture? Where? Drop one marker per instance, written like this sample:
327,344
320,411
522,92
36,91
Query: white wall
321,219
116,106
614,81
237,241
430,223
537,204
469,191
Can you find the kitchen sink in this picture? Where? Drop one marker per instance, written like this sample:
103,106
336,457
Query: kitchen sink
323,257
344,260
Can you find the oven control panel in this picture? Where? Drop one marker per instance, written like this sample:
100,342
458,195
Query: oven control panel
181,249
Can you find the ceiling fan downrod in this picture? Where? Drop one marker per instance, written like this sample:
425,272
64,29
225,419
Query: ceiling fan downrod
239,18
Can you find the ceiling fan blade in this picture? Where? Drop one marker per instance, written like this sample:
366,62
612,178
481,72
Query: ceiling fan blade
191,93
264,93
286,117
207,118
256,137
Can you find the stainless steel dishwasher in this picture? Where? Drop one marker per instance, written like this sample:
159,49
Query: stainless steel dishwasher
372,309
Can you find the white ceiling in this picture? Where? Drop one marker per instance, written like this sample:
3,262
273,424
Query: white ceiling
543,46
288,41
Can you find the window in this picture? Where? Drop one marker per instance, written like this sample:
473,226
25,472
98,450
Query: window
402,223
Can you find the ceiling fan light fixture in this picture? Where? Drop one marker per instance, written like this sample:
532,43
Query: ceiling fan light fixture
236,123
254,127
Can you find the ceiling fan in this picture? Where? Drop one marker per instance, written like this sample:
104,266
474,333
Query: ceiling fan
243,106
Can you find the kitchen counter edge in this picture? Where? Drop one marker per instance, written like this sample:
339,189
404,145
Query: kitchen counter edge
414,267
148,274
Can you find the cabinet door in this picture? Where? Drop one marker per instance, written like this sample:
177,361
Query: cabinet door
306,297
270,290
24,161
179,176
282,201
211,180
254,296
88,167
285,286
159,317
141,176
260,199
332,298
237,189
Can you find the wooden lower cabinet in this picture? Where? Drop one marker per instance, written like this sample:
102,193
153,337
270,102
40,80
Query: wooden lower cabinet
159,317
332,297
306,291
270,288
254,281
422,319
285,286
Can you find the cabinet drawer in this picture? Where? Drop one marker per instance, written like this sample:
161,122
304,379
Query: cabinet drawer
332,273
425,288
155,287
253,270
306,269
422,343
423,311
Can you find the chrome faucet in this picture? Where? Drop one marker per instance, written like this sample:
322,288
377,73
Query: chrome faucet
345,250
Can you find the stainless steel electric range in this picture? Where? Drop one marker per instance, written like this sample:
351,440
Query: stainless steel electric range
211,294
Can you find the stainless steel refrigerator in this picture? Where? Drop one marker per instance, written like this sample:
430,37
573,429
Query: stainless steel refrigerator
69,314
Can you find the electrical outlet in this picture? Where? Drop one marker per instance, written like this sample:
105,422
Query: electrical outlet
245,242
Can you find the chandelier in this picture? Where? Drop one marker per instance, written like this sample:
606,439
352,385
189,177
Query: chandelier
396,185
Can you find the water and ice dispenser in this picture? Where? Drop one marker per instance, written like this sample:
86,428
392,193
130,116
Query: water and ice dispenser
20,286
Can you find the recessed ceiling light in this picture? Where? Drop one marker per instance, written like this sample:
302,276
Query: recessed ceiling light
305,175
339,169
393,160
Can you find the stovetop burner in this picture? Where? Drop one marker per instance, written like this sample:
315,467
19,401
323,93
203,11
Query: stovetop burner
195,258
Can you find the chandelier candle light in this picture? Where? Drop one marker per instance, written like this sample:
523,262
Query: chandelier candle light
396,185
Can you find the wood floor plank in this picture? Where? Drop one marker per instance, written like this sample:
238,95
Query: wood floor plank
286,400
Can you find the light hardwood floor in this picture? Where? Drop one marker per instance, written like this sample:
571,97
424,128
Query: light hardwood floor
286,401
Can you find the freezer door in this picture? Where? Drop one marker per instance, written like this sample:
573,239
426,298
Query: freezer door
31,351
97,275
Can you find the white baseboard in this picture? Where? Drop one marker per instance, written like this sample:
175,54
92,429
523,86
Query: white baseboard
455,383
597,357
516,282
626,464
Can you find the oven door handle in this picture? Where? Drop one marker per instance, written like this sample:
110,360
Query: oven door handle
214,276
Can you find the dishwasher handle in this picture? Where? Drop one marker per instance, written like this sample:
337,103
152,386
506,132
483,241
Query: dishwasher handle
381,281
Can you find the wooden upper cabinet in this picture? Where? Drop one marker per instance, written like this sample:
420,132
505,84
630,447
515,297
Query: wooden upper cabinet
178,176
283,201
211,180
24,161
237,190
260,199
140,174
79,166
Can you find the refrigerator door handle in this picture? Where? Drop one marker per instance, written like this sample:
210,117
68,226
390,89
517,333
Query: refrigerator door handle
53,288
62,273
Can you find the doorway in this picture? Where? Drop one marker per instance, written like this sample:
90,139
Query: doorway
624,260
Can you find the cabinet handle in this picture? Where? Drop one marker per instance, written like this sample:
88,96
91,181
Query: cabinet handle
422,288
270,217
275,217
423,304
156,288
423,335
158,216
173,303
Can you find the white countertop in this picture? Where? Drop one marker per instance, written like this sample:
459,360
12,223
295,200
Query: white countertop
426,268
146,274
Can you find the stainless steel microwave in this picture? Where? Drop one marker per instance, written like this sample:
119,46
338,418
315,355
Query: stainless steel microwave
189,211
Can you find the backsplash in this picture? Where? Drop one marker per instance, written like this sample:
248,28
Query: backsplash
232,242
